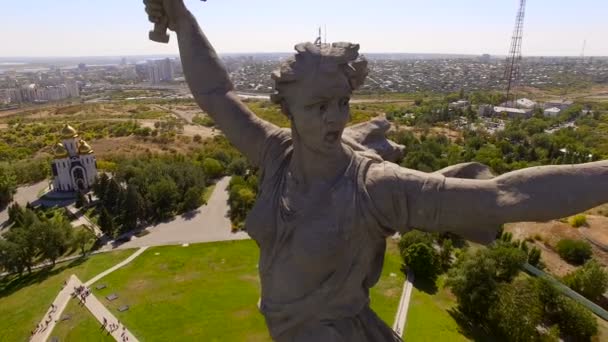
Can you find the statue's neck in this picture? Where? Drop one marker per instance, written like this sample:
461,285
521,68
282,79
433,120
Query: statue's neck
311,168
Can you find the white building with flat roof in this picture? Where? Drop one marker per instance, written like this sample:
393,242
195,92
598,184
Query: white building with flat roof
552,112
525,103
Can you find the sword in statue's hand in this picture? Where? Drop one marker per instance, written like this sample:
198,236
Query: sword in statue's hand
159,33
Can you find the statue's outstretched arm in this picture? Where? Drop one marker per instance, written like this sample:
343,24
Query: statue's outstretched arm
475,208
209,82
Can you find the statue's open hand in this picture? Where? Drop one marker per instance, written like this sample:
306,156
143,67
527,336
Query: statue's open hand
167,12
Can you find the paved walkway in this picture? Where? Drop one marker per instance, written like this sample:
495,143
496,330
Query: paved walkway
208,223
404,304
115,267
82,219
24,194
53,314
101,312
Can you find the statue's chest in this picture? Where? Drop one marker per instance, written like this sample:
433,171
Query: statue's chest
315,226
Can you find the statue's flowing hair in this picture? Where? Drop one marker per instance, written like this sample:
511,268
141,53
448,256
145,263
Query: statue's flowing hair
311,58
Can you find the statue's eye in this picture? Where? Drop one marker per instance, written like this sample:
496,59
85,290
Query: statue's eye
323,107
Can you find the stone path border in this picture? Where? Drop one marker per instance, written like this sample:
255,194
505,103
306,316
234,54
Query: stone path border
404,304
62,299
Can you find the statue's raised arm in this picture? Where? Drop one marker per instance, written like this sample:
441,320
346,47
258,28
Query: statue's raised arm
208,80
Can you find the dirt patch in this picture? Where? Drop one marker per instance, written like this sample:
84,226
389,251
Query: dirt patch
138,285
180,278
204,132
552,232
244,313
133,146
3,126
392,292
452,135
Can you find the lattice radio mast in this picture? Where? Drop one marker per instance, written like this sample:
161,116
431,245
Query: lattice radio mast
512,68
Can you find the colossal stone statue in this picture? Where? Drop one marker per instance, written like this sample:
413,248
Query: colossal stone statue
325,207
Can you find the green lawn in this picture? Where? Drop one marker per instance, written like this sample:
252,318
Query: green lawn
208,292
204,292
386,294
81,326
23,300
428,318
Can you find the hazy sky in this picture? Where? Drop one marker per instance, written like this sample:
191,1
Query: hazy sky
120,27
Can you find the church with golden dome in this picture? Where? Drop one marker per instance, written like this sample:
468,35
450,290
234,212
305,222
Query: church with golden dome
74,165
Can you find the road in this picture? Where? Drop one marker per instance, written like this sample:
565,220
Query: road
24,194
207,224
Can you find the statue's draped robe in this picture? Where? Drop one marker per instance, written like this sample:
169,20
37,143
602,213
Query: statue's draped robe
321,253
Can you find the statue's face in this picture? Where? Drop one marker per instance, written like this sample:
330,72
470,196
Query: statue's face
319,110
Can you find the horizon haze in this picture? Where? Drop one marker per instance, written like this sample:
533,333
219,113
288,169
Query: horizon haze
72,28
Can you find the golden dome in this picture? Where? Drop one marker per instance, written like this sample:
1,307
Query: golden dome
84,147
59,151
68,132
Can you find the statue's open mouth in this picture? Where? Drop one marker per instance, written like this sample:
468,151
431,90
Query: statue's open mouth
332,136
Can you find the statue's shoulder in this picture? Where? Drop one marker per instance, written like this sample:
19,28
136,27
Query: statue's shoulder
276,148
380,177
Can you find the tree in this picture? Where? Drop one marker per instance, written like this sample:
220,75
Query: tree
517,311
8,186
100,186
574,251
445,257
422,260
508,260
106,223
591,280
163,197
133,208
573,319
55,236
413,237
112,195
474,284
475,277
192,199
26,242
15,213
10,257
82,239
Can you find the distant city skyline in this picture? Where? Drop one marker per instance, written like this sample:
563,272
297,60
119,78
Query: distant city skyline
37,28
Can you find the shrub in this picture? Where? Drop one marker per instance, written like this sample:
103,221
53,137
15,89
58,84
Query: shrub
574,320
578,220
591,280
212,168
534,256
574,251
